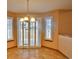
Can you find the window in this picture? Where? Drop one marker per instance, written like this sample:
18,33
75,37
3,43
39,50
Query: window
48,28
9,28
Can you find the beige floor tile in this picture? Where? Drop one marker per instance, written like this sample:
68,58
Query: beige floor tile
41,53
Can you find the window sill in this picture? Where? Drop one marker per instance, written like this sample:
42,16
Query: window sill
10,40
49,40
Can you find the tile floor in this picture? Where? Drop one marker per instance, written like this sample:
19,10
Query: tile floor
41,53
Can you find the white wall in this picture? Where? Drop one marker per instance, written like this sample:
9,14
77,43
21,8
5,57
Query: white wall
65,45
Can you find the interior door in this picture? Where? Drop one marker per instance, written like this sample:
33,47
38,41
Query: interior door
29,34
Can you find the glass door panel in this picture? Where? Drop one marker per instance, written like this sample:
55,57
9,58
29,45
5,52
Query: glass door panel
32,34
29,34
38,41
26,34
20,33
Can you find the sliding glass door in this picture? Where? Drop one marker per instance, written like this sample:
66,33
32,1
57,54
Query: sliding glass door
29,34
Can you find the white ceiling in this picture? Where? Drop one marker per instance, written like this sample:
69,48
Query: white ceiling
38,5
